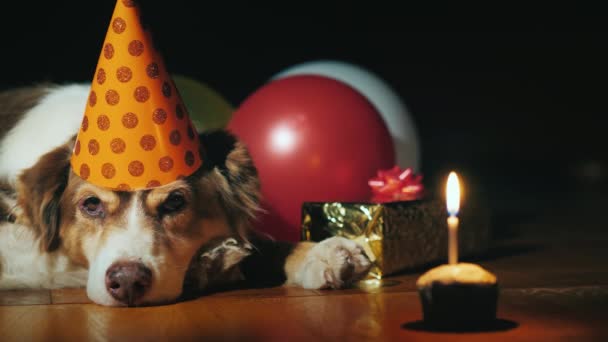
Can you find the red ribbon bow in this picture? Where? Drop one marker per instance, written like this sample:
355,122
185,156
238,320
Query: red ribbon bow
396,185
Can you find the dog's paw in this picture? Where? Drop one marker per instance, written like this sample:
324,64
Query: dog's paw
216,265
226,254
333,263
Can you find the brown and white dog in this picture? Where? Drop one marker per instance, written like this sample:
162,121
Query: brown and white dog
137,247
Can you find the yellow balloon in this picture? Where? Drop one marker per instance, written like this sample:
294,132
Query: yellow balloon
207,108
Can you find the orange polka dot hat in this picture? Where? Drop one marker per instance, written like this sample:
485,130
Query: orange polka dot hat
136,133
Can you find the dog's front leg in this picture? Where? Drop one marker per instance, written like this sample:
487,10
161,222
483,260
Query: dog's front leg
333,263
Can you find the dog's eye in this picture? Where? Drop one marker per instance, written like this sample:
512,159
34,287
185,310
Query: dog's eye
92,206
175,202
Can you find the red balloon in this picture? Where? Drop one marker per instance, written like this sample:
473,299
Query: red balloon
311,138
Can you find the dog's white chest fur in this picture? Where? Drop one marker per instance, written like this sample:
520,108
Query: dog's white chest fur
47,125
24,267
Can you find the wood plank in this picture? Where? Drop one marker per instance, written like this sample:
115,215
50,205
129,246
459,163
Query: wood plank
69,296
278,291
536,314
25,297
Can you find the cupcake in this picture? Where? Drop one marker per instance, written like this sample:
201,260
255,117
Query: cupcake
458,296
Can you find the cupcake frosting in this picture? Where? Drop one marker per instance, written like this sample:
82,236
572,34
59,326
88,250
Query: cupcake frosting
462,273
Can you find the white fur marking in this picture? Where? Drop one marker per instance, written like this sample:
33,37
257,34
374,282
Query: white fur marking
135,242
47,125
24,267
324,263
124,243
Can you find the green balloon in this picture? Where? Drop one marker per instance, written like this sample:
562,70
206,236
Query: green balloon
207,108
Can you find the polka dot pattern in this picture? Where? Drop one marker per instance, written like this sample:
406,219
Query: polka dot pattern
77,147
117,145
165,164
92,98
108,51
153,184
136,48
179,111
93,147
108,170
101,76
85,171
135,133
136,168
103,122
124,74
175,138
147,142
141,94
152,70
159,116
123,187
166,89
112,97
189,158
119,25
85,123
130,120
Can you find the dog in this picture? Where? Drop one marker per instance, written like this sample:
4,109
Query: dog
147,247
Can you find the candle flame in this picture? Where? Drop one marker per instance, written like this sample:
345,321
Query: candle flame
452,193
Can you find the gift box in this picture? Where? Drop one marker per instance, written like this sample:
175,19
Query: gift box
397,236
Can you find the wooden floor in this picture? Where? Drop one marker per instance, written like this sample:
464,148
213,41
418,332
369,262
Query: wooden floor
554,286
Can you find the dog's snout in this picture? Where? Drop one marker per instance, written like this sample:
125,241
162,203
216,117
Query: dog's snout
128,281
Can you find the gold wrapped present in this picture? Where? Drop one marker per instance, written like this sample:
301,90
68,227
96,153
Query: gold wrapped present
397,235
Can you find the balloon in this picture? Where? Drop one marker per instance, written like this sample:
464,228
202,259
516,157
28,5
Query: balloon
312,139
399,121
207,108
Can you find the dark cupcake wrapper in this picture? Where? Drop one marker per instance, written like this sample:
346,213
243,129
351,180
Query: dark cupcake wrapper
458,305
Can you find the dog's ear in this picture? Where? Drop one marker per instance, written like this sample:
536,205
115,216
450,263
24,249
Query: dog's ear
238,184
39,191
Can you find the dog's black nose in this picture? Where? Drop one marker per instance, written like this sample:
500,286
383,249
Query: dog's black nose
128,281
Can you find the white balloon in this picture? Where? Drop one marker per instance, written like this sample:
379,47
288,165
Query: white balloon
396,116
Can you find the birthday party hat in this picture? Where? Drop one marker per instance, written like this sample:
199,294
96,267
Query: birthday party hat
136,132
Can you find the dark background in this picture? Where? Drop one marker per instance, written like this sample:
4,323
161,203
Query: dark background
514,98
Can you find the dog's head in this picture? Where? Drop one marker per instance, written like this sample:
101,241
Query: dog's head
138,244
